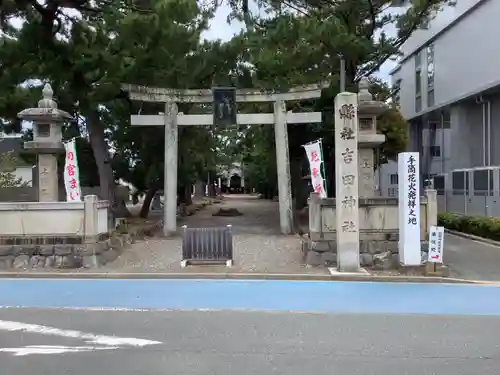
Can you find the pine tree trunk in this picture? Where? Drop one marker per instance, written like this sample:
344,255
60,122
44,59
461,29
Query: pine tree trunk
106,178
187,195
147,201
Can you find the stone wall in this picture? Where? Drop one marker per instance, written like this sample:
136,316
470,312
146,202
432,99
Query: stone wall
379,230
53,252
56,234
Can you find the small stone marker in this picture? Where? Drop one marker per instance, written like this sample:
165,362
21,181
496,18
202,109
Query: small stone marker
436,244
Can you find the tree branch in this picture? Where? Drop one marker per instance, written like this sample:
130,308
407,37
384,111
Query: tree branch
399,42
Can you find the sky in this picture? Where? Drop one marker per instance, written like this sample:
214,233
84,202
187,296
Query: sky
220,29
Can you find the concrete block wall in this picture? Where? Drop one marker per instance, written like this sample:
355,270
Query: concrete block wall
379,230
55,234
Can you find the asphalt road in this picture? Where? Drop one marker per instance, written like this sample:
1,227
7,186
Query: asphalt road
155,327
228,343
472,260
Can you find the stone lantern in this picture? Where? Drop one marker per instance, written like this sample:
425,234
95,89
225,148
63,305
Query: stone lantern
47,142
368,139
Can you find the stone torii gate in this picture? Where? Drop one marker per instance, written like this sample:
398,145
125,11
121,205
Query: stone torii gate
171,119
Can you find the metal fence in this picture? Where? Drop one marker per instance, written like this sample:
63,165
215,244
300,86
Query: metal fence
474,191
207,245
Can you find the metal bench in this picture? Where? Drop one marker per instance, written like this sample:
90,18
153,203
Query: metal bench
207,246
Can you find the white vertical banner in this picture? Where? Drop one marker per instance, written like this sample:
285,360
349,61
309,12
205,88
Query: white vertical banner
315,155
71,173
436,244
409,208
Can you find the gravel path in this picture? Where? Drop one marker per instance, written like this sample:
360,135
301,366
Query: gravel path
258,244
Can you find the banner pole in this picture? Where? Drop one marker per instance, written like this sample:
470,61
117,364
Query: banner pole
323,166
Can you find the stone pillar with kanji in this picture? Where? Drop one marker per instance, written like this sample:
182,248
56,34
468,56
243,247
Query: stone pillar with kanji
346,181
47,142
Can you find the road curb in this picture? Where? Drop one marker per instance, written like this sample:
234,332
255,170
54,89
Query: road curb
472,237
238,276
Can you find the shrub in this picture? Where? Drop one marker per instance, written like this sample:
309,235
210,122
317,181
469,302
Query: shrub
483,226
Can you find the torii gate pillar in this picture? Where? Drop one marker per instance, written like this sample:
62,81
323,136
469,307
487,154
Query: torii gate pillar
283,168
170,169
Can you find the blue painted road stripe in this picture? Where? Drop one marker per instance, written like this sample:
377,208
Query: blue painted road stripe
337,297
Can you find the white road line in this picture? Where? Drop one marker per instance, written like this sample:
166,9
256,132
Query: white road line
88,337
52,349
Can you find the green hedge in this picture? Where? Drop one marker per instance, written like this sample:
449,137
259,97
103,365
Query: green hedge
482,226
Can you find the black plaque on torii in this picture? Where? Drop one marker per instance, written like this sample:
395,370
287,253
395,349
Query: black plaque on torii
224,106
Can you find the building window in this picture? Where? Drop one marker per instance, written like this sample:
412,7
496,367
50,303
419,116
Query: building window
418,82
396,91
430,98
435,151
430,75
394,179
418,104
418,60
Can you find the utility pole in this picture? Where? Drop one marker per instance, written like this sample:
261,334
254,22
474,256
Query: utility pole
342,73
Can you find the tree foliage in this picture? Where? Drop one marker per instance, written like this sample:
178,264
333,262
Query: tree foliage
8,177
87,49
89,57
